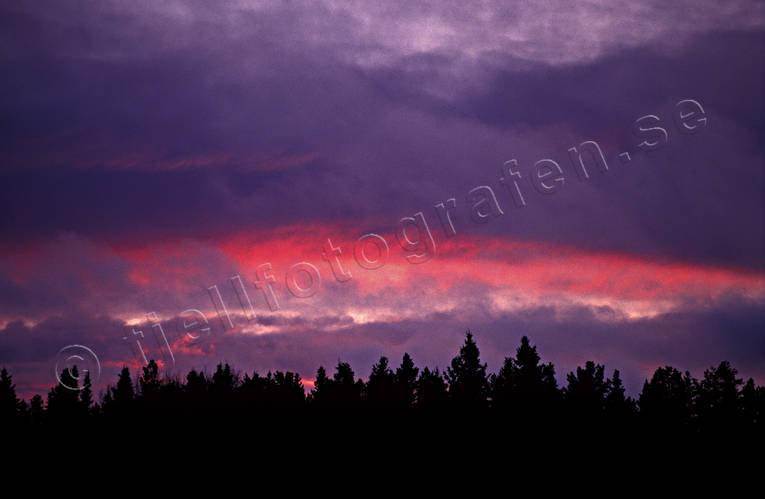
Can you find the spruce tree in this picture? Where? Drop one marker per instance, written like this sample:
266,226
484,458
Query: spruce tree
123,394
63,399
380,387
468,384
523,384
406,382
86,396
668,399
9,403
586,391
431,390
717,402
618,405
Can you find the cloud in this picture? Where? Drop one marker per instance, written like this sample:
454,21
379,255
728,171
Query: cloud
693,338
152,150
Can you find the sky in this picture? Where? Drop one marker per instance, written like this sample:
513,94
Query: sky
286,184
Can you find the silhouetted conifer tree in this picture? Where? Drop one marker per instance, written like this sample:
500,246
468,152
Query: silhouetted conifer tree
586,392
752,403
348,390
406,382
468,384
431,390
668,399
124,392
525,385
287,389
9,403
717,401
321,393
86,396
223,379
619,406
255,389
277,390
118,400
380,388
63,399
342,391
196,388
149,383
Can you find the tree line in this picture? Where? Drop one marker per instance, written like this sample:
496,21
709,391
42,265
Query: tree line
524,387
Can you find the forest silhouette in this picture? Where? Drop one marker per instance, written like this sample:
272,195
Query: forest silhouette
524,389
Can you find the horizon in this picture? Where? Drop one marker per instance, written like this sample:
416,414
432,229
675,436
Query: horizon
283,186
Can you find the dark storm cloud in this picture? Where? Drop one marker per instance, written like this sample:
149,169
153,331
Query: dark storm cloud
94,118
66,274
700,198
